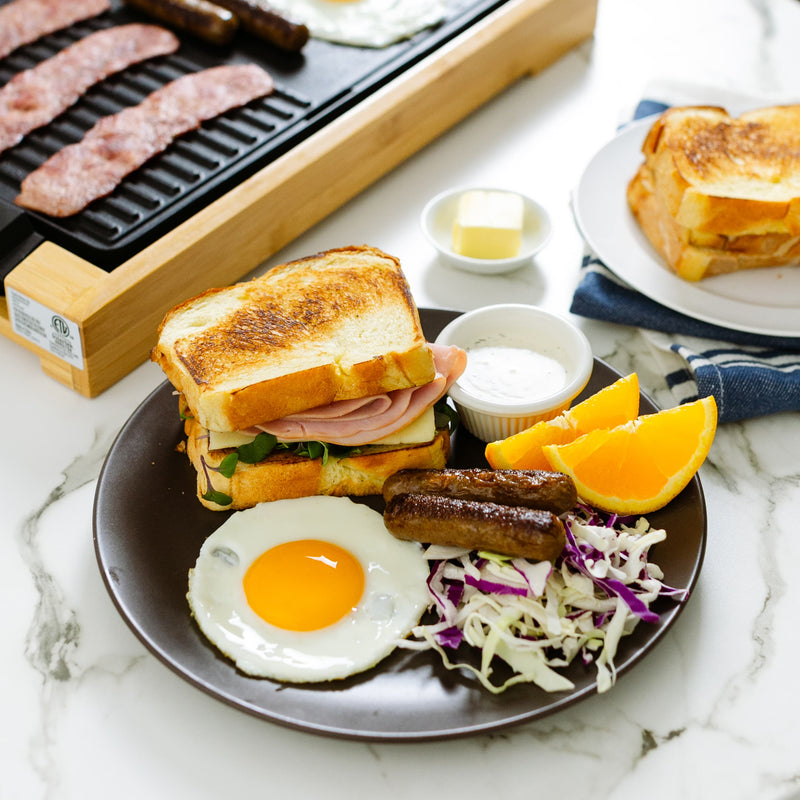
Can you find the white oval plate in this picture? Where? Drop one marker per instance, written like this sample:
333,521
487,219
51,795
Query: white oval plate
765,301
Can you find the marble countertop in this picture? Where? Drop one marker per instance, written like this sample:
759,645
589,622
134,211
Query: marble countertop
87,712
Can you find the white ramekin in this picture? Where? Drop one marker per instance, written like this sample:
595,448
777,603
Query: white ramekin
517,325
437,224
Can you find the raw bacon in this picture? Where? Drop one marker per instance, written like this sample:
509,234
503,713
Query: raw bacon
118,144
353,422
38,95
25,21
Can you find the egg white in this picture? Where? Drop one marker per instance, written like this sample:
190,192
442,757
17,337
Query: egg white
365,23
395,591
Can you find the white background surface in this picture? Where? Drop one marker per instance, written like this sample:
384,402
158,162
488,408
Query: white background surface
712,712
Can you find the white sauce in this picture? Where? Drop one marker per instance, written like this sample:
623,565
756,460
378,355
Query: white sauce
511,374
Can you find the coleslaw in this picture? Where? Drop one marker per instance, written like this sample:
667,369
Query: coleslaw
538,617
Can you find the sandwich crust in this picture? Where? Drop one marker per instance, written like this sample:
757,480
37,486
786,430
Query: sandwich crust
337,325
285,475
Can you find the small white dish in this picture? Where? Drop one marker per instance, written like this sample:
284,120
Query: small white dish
519,327
437,224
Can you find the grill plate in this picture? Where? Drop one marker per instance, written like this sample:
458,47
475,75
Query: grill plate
312,88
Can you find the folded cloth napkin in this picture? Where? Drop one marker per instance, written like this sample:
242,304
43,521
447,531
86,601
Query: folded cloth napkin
750,375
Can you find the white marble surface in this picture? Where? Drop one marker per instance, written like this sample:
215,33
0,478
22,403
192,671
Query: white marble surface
714,712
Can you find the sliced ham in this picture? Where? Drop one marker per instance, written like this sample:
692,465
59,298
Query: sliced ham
360,408
119,144
25,21
38,95
353,423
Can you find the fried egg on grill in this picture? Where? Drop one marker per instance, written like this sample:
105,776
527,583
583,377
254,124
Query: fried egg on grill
366,23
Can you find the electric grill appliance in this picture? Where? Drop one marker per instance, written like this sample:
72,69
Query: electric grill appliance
86,293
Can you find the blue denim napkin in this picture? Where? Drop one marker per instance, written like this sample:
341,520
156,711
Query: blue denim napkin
750,375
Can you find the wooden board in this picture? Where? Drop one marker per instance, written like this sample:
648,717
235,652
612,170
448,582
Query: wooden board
116,314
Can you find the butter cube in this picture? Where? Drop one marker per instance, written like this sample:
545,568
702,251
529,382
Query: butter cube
488,224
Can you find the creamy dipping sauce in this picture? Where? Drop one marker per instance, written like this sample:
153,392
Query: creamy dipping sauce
504,374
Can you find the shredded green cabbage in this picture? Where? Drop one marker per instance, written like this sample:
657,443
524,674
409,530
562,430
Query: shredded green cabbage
538,617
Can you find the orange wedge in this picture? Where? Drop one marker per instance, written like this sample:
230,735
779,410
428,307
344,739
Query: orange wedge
640,466
611,406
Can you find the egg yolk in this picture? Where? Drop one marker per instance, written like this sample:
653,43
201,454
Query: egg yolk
304,585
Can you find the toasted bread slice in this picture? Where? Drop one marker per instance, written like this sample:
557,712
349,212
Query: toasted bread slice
338,325
694,255
724,175
285,475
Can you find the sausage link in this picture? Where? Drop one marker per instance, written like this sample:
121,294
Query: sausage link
509,530
259,18
550,491
204,19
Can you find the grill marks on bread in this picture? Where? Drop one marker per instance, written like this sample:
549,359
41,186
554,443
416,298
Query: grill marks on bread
251,331
741,148
719,194
336,326
264,328
704,150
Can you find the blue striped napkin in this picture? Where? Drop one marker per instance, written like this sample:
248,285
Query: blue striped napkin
750,375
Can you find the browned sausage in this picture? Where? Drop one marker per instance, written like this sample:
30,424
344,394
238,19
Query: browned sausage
550,491
259,18
204,19
509,530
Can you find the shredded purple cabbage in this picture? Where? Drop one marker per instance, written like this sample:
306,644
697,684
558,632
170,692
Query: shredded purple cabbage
576,558
492,586
460,594
614,587
450,637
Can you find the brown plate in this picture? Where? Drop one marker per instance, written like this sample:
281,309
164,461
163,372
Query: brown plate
148,529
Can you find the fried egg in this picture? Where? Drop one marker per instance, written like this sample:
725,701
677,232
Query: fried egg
306,590
365,23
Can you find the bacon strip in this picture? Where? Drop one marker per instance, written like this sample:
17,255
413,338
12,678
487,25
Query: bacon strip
346,423
119,144
38,95
25,21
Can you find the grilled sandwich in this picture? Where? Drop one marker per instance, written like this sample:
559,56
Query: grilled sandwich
717,194
315,378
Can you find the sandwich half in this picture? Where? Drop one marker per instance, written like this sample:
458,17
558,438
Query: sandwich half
717,193
694,255
315,378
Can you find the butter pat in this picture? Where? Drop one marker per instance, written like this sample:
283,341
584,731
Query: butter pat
488,224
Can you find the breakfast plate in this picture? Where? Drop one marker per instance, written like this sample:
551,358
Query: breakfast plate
148,530
765,301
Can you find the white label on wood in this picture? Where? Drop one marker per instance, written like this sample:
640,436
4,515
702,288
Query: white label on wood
45,328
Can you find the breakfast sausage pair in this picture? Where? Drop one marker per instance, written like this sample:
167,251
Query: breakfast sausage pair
513,512
218,21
